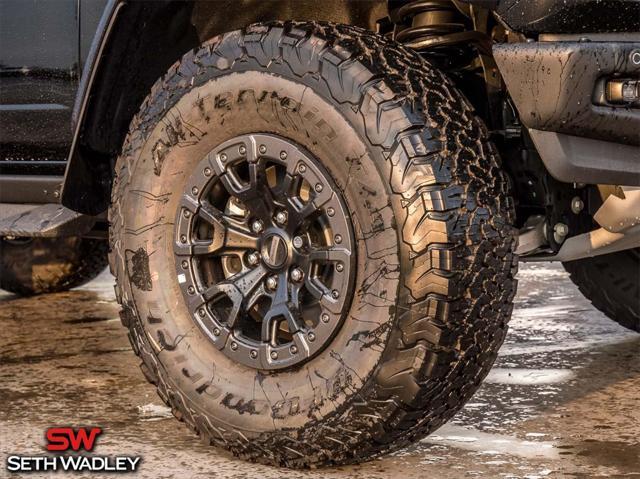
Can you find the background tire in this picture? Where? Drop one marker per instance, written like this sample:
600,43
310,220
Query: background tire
31,266
612,283
431,215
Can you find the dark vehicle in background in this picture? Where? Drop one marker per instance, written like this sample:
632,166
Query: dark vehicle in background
314,211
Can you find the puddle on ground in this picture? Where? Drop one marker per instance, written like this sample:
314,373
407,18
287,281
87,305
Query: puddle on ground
528,377
154,412
491,444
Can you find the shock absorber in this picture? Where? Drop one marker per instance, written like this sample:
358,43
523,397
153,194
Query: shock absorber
439,29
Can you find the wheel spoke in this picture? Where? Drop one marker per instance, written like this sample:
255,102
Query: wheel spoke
282,189
322,294
330,254
238,289
281,306
228,233
299,215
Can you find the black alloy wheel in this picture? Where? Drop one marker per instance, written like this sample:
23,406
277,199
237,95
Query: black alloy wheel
264,251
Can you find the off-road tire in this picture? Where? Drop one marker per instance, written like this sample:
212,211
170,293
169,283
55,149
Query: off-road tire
30,266
432,217
612,283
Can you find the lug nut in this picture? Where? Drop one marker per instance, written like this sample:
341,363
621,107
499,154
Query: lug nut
257,226
223,157
283,155
324,317
242,149
194,190
234,346
339,267
331,211
272,282
338,239
186,213
253,258
207,171
281,217
335,294
318,187
201,312
298,242
183,238
253,354
302,168
311,336
216,332
274,354
297,274
293,349
262,149
185,264
191,290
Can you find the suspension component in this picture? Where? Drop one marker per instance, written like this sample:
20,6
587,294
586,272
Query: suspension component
439,30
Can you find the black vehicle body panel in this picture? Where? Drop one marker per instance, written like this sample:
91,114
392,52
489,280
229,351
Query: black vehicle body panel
569,16
39,69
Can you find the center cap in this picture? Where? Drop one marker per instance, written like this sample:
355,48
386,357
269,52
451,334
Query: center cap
275,250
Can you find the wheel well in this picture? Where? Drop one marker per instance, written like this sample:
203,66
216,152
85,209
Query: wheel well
145,39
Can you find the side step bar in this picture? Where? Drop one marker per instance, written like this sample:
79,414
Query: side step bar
49,220
30,189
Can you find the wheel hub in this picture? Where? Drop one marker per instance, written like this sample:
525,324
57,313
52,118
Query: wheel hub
264,251
275,250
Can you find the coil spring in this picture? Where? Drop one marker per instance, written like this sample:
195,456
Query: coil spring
434,28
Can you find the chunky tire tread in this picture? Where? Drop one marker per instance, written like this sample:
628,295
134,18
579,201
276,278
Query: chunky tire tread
458,267
612,283
76,261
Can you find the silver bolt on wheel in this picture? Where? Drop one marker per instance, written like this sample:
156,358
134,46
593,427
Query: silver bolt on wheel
297,274
253,258
272,282
257,226
281,217
298,242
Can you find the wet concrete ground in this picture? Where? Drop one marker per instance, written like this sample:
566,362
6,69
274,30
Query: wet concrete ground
562,400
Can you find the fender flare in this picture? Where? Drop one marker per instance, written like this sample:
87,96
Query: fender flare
74,161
